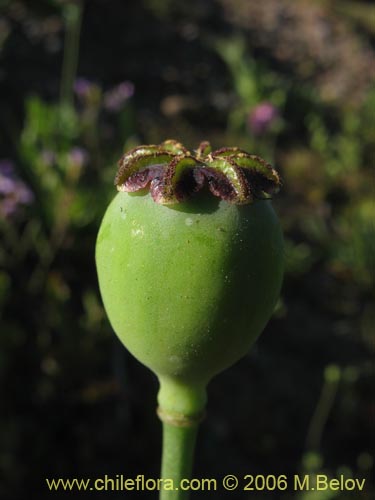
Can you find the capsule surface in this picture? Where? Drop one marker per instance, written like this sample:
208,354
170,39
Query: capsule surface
188,288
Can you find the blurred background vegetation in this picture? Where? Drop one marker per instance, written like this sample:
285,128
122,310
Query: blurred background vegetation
80,82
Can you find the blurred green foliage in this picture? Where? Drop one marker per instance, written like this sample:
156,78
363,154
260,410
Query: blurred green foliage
61,376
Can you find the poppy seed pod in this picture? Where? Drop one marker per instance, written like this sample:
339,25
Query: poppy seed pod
190,263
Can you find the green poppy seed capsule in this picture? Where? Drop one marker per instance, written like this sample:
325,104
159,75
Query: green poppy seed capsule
189,271
189,281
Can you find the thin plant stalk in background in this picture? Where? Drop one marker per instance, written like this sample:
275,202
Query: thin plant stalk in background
72,14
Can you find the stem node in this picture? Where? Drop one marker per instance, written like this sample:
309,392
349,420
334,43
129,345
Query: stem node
179,419
181,409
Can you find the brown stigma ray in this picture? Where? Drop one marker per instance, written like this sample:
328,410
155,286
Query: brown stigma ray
173,173
134,162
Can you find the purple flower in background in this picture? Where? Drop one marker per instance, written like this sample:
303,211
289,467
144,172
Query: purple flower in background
115,98
6,168
83,88
7,185
78,157
262,117
13,192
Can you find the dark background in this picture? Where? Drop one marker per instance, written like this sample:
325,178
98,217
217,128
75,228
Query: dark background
74,403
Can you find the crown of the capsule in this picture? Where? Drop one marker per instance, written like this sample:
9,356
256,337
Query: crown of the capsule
173,173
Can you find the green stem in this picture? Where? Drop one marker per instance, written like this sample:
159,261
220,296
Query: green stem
181,408
73,17
177,461
319,419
